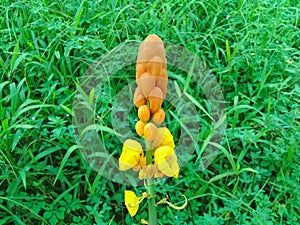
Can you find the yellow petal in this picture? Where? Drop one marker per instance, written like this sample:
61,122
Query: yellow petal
131,202
166,161
142,161
168,139
163,138
131,154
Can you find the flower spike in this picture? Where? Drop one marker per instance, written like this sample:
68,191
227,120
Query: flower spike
159,158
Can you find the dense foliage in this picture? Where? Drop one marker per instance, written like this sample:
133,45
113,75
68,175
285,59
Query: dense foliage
252,48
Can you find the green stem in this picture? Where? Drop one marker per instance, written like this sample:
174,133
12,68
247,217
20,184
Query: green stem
150,185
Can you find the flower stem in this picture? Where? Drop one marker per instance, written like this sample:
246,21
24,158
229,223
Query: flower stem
150,185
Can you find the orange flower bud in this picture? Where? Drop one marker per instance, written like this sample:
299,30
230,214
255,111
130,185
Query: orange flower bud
140,69
138,98
158,117
145,53
152,46
162,83
152,42
144,113
139,128
163,73
156,99
160,52
153,37
150,131
146,83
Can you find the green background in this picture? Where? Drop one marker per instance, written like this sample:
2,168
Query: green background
251,47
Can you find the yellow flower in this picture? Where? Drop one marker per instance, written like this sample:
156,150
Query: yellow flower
132,201
163,138
132,155
166,161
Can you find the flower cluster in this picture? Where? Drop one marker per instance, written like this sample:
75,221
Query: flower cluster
151,79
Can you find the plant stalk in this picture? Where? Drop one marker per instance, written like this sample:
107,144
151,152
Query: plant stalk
150,186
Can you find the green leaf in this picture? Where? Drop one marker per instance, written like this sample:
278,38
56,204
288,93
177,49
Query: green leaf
68,110
193,100
63,162
47,214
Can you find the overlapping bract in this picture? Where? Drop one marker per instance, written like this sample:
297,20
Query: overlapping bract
151,76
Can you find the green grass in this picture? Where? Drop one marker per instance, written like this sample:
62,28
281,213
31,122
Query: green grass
251,47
